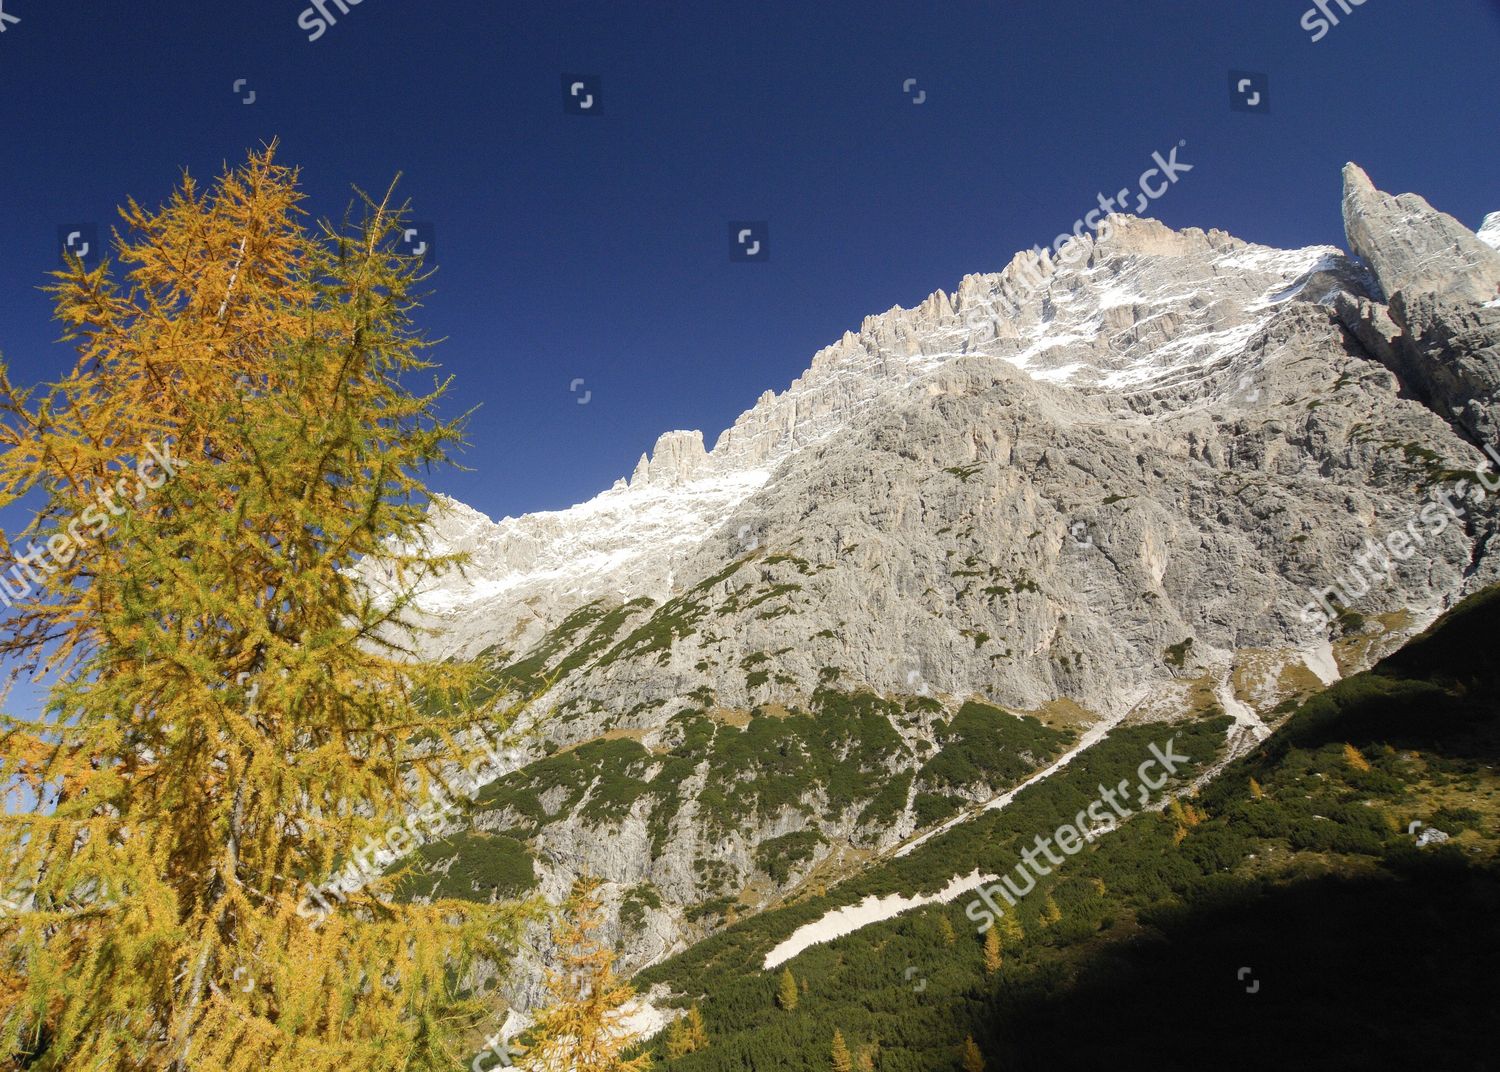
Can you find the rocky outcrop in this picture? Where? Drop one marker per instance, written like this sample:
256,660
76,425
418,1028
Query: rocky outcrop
1413,248
675,460
1439,328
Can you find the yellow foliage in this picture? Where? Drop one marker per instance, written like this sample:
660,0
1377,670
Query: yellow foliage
1185,814
1011,931
842,1062
581,1029
786,992
972,1060
1356,758
686,1035
231,715
992,958
945,928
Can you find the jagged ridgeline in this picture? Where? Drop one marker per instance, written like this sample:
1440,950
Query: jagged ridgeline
1005,540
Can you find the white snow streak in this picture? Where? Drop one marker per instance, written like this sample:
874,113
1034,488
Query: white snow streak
872,909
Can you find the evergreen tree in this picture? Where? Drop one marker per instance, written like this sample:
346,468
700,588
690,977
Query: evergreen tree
972,1060
1051,914
581,1029
946,929
786,993
686,1035
1176,814
697,1034
233,712
842,1062
991,951
1011,931
677,1041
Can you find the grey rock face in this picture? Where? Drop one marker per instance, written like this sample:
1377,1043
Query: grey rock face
1440,330
676,459
1412,247
1120,483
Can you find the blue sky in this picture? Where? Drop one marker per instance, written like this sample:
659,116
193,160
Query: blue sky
596,247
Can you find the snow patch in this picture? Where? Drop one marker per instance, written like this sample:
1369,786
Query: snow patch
1244,716
1489,231
1319,659
847,920
640,1018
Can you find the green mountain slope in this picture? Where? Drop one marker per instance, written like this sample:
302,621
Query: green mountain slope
1284,918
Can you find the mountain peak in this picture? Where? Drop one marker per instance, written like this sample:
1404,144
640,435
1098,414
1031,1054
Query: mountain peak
677,457
1141,324
1413,248
1357,180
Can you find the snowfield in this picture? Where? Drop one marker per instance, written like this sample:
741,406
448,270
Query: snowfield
872,909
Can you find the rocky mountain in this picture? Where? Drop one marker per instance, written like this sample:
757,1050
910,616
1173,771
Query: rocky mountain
1156,482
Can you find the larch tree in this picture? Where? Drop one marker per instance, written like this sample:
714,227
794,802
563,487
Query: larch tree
686,1035
582,1028
971,1060
232,708
1011,931
842,1061
947,931
991,951
786,991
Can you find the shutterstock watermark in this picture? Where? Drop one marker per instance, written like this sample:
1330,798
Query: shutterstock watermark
424,824
33,567
1320,19
317,19
503,1052
1068,248
1102,815
1430,522
1151,186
